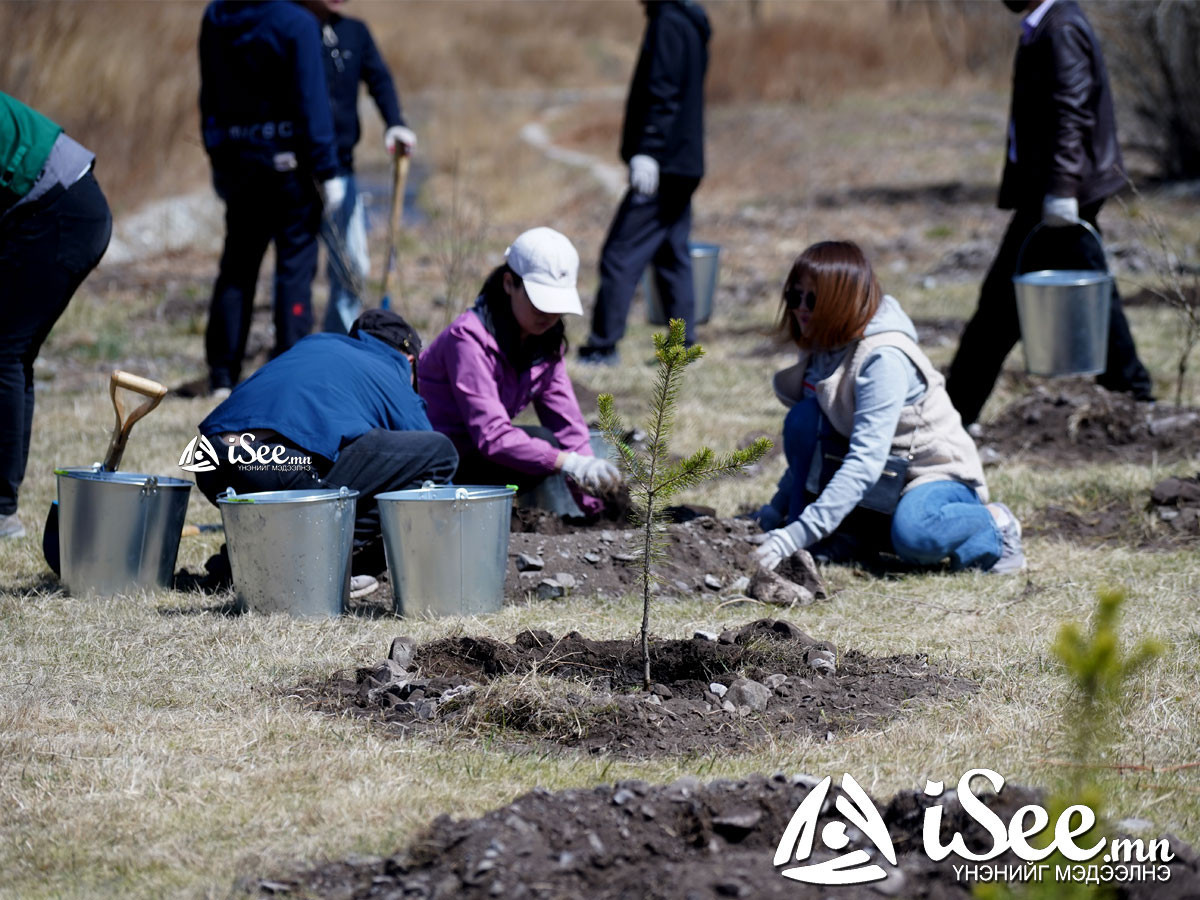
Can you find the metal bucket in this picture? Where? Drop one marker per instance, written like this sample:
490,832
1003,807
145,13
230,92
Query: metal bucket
553,494
446,548
118,531
290,550
706,260
1064,315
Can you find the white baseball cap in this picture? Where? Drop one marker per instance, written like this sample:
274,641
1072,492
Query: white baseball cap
549,266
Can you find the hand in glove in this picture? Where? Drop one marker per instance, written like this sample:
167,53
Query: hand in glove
400,138
333,192
643,174
775,548
591,473
1058,212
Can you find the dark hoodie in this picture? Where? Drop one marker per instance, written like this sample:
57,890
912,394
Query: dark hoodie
664,115
262,87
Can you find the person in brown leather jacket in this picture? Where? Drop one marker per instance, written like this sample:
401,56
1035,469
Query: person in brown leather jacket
1063,161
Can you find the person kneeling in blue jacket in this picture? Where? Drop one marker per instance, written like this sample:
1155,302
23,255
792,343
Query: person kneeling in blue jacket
339,410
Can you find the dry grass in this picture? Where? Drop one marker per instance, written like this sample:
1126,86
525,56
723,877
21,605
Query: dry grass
147,743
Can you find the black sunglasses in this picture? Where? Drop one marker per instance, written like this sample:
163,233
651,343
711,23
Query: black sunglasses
795,298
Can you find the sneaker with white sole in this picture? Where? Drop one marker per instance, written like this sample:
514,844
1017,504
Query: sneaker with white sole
11,527
1012,555
362,586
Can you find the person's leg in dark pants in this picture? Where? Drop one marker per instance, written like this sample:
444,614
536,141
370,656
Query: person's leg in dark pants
297,229
382,461
45,253
994,328
673,260
633,239
247,234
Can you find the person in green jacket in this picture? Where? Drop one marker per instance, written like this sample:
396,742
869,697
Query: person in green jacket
54,228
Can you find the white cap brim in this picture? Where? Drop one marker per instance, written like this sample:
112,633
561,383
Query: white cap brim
561,300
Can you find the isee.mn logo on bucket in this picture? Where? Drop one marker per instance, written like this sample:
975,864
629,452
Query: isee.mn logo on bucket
1124,860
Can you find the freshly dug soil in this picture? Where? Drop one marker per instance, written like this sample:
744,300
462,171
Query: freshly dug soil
684,840
766,680
552,557
1173,522
1076,420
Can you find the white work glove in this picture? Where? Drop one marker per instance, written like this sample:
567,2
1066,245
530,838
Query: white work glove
643,174
1058,212
593,474
777,546
400,137
333,192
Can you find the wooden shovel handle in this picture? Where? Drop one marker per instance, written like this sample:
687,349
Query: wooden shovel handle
399,180
151,390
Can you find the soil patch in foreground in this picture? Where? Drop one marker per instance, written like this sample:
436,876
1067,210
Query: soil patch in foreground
1172,520
683,840
1076,420
766,681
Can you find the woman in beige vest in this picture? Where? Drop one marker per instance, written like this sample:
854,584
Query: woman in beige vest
863,391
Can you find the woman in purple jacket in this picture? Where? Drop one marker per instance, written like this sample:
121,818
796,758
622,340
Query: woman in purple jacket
505,353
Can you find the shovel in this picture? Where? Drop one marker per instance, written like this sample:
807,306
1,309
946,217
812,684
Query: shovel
153,392
399,179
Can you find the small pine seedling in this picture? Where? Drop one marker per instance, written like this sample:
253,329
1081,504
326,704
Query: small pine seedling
652,480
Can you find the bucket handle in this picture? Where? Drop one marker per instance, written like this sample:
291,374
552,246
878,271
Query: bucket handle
1082,223
229,495
151,486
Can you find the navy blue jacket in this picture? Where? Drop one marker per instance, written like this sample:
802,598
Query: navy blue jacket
664,114
324,392
262,87
354,58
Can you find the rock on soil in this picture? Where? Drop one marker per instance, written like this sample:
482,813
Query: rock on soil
767,680
683,840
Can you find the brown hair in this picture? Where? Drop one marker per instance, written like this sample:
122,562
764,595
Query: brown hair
848,295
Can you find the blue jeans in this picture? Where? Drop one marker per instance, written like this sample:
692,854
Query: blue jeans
932,521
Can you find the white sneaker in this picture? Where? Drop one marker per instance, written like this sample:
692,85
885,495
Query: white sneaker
11,527
1012,555
362,586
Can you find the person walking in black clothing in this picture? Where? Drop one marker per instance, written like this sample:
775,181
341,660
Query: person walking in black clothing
54,228
663,144
1063,162
268,130
351,57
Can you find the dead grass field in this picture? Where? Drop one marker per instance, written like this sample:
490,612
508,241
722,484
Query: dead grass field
149,746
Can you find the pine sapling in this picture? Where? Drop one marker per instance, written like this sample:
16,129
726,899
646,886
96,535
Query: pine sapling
652,479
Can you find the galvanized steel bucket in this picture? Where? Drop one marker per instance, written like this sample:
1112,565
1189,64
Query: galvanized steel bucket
1064,316
447,548
706,259
290,550
553,494
118,531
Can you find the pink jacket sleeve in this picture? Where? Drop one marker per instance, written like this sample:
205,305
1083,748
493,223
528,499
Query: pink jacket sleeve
558,409
487,421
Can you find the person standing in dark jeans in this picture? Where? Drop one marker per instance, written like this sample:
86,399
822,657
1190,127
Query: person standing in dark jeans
1063,162
663,144
333,411
268,131
351,57
54,228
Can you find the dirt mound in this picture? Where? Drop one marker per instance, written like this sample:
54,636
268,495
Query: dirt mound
1173,520
766,680
703,555
683,840
1078,421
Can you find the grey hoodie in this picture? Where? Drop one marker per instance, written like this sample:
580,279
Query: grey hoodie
887,382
